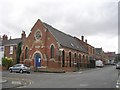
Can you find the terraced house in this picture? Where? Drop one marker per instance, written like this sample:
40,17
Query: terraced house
9,48
46,47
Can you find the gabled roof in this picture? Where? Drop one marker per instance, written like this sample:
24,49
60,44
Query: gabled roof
65,40
11,41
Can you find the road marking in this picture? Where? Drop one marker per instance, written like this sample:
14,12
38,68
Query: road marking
11,78
26,81
98,68
16,82
118,82
79,72
83,85
105,83
117,86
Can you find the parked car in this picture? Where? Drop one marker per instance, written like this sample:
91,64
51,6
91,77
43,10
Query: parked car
118,65
19,68
99,63
113,63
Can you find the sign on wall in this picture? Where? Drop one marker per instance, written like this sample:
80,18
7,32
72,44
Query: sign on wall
1,53
1,49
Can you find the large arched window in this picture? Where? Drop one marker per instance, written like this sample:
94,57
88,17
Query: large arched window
70,59
52,51
83,60
63,58
75,58
26,53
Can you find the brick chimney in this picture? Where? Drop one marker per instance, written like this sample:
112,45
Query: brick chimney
82,37
23,35
5,37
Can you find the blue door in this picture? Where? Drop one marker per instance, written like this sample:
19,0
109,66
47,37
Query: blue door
37,60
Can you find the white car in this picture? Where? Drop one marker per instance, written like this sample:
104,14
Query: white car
19,68
118,65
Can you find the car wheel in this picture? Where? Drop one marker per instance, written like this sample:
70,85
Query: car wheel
28,72
21,71
10,71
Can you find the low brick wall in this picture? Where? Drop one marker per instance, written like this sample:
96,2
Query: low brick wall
2,68
62,69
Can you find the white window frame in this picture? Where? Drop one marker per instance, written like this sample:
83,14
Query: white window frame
11,50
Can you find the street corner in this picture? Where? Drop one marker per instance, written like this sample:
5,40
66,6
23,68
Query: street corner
15,82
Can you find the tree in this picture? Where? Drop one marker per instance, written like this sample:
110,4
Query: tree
7,62
18,52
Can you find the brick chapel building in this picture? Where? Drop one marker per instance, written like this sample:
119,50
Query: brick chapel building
47,47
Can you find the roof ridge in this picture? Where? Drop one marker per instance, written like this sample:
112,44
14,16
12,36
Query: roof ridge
58,30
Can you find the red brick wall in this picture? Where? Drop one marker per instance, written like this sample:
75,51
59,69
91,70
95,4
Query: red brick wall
7,52
78,59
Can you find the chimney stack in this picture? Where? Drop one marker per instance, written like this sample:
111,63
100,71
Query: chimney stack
86,40
82,37
23,35
5,37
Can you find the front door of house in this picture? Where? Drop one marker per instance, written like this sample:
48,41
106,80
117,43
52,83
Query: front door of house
37,60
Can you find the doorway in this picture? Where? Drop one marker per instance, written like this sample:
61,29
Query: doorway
37,60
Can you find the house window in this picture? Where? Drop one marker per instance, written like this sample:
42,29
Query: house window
11,49
26,53
52,51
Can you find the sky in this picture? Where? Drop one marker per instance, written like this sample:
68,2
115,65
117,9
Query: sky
96,20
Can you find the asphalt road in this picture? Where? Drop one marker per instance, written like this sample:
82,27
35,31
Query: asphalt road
95,78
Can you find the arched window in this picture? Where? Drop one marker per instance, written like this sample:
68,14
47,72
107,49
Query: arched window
52,51
75,58
26,53
63,58
70,59
79,59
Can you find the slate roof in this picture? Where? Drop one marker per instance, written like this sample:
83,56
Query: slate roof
11,41
98,50
65,40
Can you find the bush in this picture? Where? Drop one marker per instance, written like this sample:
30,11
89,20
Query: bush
7,62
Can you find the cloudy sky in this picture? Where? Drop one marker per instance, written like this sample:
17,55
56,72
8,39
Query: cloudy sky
96,20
